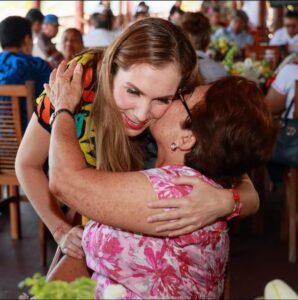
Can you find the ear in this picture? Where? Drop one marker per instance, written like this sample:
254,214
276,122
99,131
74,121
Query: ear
186,141
27,44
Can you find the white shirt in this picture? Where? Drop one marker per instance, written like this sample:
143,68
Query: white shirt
36,51
285,84
210,69
99,37
281,37
252,9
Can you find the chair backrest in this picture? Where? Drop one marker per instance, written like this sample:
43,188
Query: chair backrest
273,54
10,122
296,100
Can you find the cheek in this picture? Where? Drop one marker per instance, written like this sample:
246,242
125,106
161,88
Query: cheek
158,110
122,99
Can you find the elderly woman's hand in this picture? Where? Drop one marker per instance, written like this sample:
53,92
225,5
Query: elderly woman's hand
65,86
203,206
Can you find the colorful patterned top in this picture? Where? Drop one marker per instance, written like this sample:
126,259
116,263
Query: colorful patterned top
44,108
187,267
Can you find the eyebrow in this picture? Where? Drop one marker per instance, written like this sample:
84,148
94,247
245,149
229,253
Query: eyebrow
142,93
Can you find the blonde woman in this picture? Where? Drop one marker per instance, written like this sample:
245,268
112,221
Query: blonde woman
125,89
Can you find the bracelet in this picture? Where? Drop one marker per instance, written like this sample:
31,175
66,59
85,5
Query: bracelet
237,205
57,112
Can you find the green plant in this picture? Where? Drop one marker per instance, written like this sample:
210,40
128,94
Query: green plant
81,288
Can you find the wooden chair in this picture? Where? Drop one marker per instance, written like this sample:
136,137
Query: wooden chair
291,183
272,54
10,138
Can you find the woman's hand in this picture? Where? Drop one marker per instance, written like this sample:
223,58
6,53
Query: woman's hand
65,86
70,241
203,206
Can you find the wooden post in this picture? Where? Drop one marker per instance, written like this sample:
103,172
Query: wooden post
36,4
79,15
120,8
262,20
278,14
128,16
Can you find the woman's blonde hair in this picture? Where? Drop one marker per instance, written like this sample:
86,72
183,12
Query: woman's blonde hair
151,41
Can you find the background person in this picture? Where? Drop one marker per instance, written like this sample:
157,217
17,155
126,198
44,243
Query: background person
35,16
44,43
198,28
71,43
237,30
288,34
100,34
278,100
17,65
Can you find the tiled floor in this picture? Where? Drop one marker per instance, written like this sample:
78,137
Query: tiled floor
254,259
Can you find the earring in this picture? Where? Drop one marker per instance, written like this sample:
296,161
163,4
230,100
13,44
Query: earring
173,146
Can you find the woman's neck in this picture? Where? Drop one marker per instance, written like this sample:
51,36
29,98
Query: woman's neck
166,157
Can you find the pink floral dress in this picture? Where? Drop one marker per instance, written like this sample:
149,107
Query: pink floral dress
191,266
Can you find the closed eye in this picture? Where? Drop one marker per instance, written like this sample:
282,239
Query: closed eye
164,100
133,92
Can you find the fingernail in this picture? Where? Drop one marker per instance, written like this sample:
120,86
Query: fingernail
149,219
149,204
157,229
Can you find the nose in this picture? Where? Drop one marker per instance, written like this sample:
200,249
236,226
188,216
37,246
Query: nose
143,110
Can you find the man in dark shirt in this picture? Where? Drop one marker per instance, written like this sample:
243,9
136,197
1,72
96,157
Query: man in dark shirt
17,65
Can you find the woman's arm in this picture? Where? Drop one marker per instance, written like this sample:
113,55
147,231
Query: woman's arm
120,199
32,155
30,160
203,206
116,199
275,101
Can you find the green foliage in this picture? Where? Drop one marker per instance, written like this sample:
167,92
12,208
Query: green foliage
229,58
81,288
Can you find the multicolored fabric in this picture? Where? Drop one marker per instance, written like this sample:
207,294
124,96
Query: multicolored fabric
44,108
187,267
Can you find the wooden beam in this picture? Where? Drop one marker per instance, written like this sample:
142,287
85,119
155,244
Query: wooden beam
262,20
278,14
36,4
79,15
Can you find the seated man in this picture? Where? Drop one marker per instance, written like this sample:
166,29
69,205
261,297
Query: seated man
45,48
198,28
100,34
17,65
237,31
287,35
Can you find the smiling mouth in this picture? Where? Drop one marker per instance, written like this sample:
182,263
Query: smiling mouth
133,125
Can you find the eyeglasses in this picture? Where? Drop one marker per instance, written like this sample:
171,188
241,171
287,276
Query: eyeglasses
181,93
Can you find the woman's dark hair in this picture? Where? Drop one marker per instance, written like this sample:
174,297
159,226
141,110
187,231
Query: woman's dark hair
234,131
198,28
13,31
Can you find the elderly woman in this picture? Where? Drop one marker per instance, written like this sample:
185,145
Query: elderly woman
217,140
